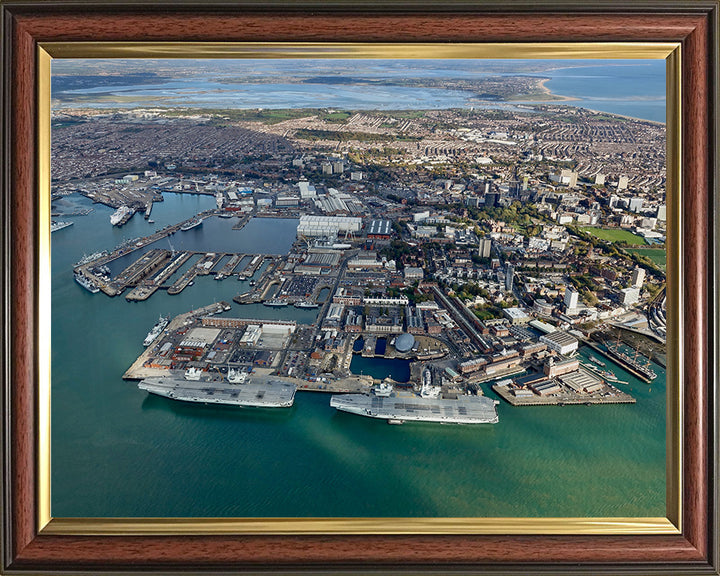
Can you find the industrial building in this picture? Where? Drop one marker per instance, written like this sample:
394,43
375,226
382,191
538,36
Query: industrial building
560,342
328,225
379,229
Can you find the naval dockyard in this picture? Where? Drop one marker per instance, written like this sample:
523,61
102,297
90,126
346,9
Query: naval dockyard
364,307
498,286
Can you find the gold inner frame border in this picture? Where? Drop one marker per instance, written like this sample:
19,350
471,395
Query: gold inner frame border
671,524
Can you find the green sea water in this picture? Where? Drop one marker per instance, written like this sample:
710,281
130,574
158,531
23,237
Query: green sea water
117,451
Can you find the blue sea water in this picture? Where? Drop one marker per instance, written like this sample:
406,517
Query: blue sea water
636,90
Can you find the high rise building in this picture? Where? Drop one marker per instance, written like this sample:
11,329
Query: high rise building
635,204
638,277
571,298
491,199
509,272
629,296
662,209
484,249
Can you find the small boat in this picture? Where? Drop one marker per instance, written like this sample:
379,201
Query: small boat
597,361
306,304
275,303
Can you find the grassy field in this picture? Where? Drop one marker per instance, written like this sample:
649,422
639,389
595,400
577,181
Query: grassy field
657,255
615,235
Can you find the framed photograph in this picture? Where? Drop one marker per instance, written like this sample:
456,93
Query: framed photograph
276,229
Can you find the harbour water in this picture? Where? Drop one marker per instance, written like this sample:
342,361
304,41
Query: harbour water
117,451
632,87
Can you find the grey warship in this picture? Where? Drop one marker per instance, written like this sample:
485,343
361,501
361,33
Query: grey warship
259,394
400,408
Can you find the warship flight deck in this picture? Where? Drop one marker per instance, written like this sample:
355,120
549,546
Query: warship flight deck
260,394
460,410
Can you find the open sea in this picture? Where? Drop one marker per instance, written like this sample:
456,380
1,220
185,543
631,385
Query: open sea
118,451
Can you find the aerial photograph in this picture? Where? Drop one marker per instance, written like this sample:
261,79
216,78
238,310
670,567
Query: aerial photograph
358,288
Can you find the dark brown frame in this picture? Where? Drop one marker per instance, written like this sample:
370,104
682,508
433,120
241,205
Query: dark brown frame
26,23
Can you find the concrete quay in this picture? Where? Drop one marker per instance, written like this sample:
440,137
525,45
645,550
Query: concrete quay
562,399
138,370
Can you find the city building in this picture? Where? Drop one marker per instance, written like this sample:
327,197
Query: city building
404,342
635,204
557,367
561,342
379,229
509,273
413,273
328,225
571,298
638,277
629,296
661,211
516,316
484,248
306,190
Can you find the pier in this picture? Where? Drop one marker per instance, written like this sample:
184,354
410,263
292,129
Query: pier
208,262
227,270
619,361
562,399
133,274
251,268
183,282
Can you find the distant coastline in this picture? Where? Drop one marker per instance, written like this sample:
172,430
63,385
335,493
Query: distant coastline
546,95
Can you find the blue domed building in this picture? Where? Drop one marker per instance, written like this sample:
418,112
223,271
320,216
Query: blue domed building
404,342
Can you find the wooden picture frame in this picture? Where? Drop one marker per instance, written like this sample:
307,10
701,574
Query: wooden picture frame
29,547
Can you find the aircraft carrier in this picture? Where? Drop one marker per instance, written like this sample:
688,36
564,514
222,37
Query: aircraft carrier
400,408
261,394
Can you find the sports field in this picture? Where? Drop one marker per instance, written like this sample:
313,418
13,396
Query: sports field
614,235
657,255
